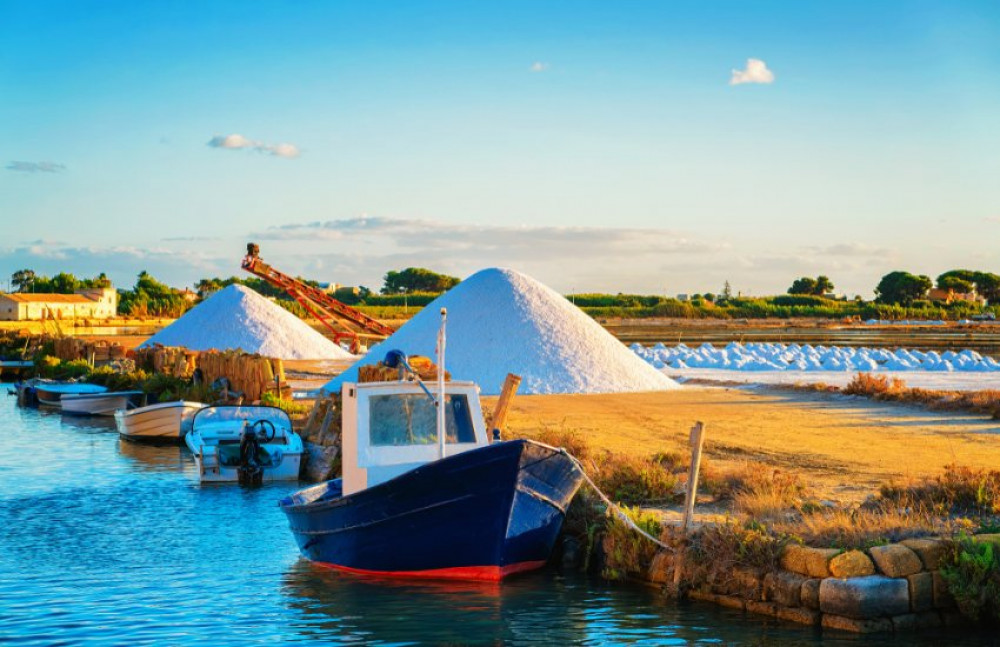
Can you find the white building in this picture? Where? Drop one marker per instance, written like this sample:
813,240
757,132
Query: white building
95,303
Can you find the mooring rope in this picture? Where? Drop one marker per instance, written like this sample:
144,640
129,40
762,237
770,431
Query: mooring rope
622,516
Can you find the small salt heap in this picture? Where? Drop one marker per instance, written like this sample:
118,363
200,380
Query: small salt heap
236,317
501,321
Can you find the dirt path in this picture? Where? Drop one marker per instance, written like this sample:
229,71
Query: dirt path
844,447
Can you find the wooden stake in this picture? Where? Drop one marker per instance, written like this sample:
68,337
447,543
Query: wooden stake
697,441
510,386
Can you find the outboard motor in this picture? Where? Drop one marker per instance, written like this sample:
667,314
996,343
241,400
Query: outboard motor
249,472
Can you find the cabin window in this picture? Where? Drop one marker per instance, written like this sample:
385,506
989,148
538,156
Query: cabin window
411,419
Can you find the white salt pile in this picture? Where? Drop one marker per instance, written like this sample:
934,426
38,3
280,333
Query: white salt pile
238,317
501,321
793,357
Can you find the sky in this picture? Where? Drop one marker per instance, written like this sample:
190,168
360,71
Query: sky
627,146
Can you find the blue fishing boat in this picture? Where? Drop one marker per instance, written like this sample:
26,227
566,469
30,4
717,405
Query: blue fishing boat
425,494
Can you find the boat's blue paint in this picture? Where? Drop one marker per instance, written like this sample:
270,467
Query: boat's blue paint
496,506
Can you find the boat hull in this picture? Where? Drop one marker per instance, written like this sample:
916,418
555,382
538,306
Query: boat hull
158,423
51,393
480,515
99,404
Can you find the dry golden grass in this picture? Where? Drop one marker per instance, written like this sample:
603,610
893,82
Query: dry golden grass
862,528
881,387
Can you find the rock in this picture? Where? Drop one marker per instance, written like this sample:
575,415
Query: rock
921,591
912,621
896,560
762,608
729,601
783,587
853,563
942,596
864,597
930,551
809,594
661,569
803,560
856,625
318,464
799,615
572,557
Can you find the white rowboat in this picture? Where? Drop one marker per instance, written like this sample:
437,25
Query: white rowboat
164,422
98,404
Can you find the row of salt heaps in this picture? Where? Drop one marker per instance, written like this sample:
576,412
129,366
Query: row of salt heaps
793,357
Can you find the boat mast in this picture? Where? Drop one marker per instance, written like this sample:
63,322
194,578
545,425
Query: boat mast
440,378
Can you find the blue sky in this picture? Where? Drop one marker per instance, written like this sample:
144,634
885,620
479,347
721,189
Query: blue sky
599,146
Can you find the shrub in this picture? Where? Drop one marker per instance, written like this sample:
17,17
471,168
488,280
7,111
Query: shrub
626,551
290,407
632,480
716,550
874,386
959,490
973,576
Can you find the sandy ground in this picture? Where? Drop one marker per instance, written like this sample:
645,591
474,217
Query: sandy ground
843,447
937,380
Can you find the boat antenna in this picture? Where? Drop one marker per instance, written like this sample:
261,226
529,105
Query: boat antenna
440,383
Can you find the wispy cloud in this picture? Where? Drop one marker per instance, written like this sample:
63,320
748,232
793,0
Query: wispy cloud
756,72
539,66
994,219
36,167
237,141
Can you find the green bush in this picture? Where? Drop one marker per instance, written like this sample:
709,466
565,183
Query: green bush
626,552
973,576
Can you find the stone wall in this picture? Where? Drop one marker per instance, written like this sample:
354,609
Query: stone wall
896,587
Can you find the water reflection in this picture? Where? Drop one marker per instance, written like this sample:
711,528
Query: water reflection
155,458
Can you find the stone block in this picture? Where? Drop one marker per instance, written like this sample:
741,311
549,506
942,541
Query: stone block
921,591
856,625
864,597
783,587
930,551
942,596
762,608
954,618
913,621
896,560
729,601
853,563
809,593
803,560
799,615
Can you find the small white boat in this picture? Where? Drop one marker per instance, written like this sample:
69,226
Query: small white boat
246,444
98,404
51,393
163,422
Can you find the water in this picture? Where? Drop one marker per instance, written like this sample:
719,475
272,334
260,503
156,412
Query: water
104,542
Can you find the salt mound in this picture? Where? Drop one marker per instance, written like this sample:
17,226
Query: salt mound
238,317
501,321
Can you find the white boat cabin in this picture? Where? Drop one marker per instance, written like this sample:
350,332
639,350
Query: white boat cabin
390,428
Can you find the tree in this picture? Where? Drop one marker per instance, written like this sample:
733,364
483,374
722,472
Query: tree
417,279
22,280
804,285
727,291
988,286
957,280
902,287
823,285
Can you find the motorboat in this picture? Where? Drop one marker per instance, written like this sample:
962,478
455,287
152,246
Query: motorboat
246,444
99,404
51,393
165,422
426,494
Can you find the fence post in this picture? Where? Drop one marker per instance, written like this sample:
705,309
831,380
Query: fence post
697,441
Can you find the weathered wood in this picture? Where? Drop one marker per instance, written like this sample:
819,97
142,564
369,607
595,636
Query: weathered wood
697,440
510,386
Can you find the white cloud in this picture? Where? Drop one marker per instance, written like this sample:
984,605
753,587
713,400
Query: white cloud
539,66
36,167
237,141
755,72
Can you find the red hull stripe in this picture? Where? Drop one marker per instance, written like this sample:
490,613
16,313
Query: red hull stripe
479,573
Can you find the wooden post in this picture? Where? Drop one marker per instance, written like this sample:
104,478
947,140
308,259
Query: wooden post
510,386
697,441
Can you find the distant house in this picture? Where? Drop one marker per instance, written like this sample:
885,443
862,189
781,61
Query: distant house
189,295
950,296
95,303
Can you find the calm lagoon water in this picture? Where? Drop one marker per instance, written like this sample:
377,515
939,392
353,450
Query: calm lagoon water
104,542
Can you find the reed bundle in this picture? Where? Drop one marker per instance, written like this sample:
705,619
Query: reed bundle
423,366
